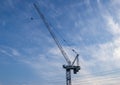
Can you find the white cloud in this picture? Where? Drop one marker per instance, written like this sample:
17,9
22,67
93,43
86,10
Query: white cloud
115,2
105,56
113,26
41,64
9,51
5,52
101,80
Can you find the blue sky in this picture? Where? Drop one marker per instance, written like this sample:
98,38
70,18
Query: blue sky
29,56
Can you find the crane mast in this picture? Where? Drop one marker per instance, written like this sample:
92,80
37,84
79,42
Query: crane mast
70,65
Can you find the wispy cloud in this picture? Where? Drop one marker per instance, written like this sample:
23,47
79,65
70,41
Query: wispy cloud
40,53
113,26
40,64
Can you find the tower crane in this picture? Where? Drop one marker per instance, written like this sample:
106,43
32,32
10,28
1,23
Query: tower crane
70,65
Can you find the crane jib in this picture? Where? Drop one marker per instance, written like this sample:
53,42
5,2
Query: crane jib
53,35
